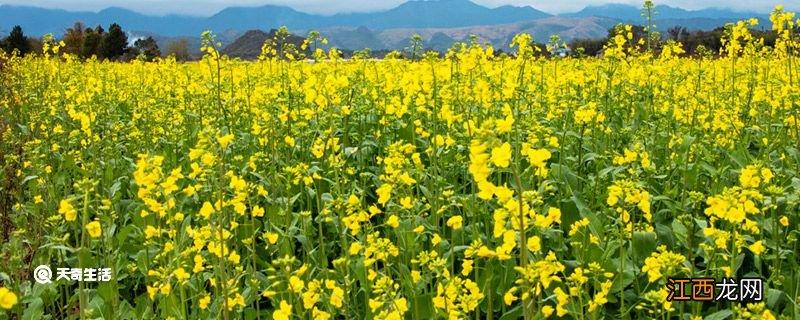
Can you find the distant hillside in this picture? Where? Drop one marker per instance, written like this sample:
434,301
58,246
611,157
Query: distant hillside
354,38
667,16
438,14
440,22
412,14
38,21
442,38
248,46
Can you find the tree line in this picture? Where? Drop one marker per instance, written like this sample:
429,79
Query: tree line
87,42
695,42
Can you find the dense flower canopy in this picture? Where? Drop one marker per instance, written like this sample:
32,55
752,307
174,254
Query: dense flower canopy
471,186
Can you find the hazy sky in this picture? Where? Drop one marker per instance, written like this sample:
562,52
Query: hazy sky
208,7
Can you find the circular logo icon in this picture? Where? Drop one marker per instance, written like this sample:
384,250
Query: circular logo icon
42,274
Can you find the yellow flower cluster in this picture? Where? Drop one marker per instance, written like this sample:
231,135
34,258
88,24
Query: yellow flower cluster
631,194
733,205
389,188
661,262
753,176
458,297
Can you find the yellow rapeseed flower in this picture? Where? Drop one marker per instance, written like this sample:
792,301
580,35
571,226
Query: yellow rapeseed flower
393,221
455,222
757,248
7,298
94,229
284,312
66,208
501,155
225,141
384,192
509,297
180,274
206,210
204,302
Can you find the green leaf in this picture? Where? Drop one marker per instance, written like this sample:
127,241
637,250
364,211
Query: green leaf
427,193
565,175
59,247
422,306
738,262
96,306
711,170
126,311
665,234
24,129
294,198
28,178
34,310
595,224
739,157
719,315
774,297
115,188
680,232
624,279
515,313
643,244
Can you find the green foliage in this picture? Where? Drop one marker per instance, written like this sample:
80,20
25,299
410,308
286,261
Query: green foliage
114,42
147,48
92,42
16,41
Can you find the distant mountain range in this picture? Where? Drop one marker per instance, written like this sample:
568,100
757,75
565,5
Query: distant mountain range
440,22
442,38
412,14
248,46
631,13
666,16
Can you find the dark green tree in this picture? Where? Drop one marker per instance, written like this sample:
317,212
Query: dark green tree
179,48
92,41
146,47
591,47
677,33
114,42
73,38
17,40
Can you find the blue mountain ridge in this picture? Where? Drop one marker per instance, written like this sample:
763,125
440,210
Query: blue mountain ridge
412,14
629,13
